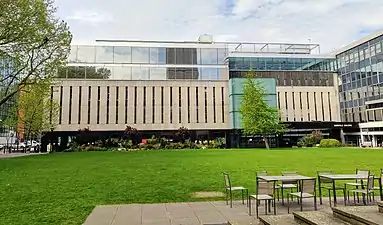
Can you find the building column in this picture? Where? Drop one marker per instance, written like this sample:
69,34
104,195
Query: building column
342,136
361,137
373,140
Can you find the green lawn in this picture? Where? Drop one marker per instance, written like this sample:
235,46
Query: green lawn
64,188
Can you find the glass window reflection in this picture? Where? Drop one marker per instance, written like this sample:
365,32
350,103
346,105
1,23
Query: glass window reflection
140,55
122,73
208,73
209,56
157,73
122,54
73,53
104,54
158,56
140,73
86,54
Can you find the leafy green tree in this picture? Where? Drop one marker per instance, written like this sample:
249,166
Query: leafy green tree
258,117
33,44
35,111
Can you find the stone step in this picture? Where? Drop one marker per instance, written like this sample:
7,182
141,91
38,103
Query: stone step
277,220
317,218
380,207
359,215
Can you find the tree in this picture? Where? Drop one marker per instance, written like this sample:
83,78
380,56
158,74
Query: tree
258,117
33,44
81,72
35,110
132,134
183,134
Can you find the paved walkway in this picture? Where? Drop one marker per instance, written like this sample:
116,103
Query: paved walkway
196,213
11,155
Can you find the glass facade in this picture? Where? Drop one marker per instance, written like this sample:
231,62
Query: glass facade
145,63
361,79
279,63
5,108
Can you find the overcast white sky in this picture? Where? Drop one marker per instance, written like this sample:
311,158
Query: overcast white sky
330,23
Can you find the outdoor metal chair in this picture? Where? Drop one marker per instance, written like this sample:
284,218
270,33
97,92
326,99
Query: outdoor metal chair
291,185
377,188
365,192
229,190
307,190
325,183
264,192
358,182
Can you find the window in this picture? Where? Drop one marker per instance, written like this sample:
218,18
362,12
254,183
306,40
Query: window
196,104
126,105
89,102
308,106
321,97
135,105
61,104
117,98
144,107
286,105
162,104
153,104
86,54
300,104
79,104
214,107
209,56
107,104
157,55
122,54
140,55
104,54
223,104
51,106
140,73
70,104
205,104
315,106
171,104
188,104
179,106
98,104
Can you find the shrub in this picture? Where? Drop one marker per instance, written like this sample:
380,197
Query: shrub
311,139
329,143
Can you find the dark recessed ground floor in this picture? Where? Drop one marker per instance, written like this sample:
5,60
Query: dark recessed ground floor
233,138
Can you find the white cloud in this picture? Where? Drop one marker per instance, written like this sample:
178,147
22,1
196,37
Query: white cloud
330,23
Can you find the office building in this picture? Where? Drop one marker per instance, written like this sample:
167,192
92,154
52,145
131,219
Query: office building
360,69
158,87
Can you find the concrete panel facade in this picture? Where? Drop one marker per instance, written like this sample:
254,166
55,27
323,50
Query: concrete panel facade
130,97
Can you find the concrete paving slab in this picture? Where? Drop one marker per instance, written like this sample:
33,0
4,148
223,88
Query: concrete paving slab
187,213
102,215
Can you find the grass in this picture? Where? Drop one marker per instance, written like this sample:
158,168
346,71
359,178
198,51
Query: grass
64,188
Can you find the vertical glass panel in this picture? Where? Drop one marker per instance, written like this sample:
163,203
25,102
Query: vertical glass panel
208,73
122,54
93,72
73,53
186,73
157,73
140,73
157,55
247,63
77,72
221,55
86,54
209,56
104,54
140,55
122,73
